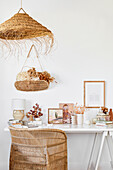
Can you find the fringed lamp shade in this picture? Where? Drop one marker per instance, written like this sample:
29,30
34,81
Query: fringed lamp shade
22,27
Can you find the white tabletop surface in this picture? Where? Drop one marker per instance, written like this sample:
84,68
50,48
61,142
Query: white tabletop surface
74,128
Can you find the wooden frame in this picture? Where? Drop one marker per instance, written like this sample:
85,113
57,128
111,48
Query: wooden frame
85,82
60,118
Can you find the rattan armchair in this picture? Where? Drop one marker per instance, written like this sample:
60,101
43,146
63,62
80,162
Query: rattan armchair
33,149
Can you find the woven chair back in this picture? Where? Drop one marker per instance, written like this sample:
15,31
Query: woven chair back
44,149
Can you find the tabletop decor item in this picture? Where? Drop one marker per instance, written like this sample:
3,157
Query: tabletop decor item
21,29
73,119
35,113
103,114
55,116
18,107
67,111
79,110
111,114
104,117
94,94
79,119
13,122
86,116
31,80
104,110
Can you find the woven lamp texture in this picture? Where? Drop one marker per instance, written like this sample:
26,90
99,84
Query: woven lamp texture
23,27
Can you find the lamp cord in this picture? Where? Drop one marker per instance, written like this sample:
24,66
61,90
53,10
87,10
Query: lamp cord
21,8
21,3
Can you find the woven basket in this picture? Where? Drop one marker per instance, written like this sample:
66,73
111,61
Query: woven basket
31,85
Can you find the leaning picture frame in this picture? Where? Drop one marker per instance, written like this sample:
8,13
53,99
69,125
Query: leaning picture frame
68,109
94,94
55,116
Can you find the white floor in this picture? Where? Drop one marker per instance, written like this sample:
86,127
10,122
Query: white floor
4,166
83,167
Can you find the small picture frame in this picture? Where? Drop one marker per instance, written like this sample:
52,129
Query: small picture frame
94,94
55,116
68,109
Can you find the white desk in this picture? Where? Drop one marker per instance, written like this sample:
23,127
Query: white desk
107,133
67,128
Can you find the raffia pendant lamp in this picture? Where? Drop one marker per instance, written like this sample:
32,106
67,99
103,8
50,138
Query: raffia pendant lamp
23,27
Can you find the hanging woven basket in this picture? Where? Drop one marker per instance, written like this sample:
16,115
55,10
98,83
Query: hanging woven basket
31,85
23,27
32,80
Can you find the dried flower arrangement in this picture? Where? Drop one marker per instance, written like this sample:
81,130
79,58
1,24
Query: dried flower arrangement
36,112
45,76
79,109
31,74
104,109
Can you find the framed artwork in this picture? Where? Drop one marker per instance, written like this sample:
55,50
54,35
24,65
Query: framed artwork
55,116
94,94
67,111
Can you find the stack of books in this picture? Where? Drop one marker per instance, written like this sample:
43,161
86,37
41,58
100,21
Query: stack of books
104,123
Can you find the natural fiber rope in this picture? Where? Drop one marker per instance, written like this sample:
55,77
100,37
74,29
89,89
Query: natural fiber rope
22,10
21,3
29,55
38,57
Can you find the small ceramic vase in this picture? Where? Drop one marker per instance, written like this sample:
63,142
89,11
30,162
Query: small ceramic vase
38,119
18,114
79,119
73,119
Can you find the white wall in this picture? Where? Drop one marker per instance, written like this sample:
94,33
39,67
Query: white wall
84,51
